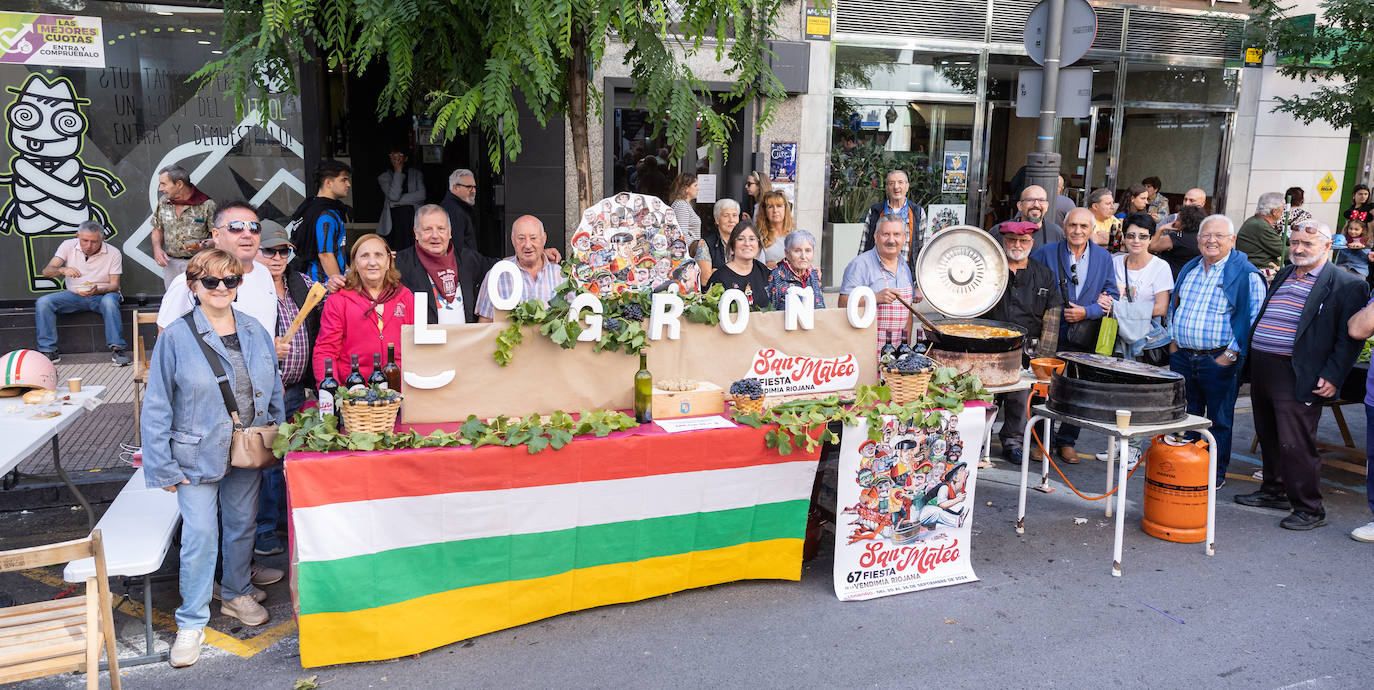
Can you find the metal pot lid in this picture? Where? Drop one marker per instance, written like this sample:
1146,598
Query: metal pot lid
962,271
1115,366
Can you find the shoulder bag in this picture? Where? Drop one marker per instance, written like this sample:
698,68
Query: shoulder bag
250,447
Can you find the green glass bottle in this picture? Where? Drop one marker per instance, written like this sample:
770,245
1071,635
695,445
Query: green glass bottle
644,391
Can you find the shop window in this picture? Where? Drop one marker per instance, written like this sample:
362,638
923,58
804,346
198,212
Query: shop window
1146,83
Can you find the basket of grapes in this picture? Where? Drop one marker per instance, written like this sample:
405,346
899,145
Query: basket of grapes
908,377
747,395
368,410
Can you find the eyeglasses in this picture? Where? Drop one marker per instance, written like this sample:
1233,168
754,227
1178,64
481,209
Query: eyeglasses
1035,200
1218,236
238,226
212,282
275,251
746,239
466,186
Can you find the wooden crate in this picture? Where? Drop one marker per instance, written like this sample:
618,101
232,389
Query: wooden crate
708,398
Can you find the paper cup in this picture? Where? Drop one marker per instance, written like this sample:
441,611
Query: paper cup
1123,419
74,384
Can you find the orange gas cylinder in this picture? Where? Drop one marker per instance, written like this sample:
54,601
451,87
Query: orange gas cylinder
1176,480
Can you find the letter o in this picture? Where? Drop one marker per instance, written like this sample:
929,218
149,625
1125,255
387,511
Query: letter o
734,324
862,295
517,293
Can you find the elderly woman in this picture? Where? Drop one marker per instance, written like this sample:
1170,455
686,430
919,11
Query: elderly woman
682,196
186,432
713,251
795,270
743,272
775,223
367,314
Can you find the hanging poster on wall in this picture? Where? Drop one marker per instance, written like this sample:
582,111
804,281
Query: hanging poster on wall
955,174
905,507
783,161
945,216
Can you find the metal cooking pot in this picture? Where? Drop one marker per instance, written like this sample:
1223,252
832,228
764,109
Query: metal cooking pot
964,343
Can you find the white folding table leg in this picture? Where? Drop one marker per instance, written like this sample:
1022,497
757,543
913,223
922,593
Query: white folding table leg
1045,461
1120,510
1025,474
1211,541
1111,478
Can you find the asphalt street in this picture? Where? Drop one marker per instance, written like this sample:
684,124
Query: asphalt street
1272,609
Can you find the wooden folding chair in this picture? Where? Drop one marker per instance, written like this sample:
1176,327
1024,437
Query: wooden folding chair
59,635
140,370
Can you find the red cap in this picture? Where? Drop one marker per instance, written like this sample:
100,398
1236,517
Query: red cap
1017,227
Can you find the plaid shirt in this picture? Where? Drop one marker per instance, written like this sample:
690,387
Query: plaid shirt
540,287
293,367
1203,318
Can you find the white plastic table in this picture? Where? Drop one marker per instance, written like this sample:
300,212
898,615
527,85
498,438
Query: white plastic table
22,436
1025,383
1117,453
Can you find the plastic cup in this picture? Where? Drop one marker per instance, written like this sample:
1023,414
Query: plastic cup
1123,419
74,384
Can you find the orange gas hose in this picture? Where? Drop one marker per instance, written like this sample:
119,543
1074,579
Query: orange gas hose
1036,435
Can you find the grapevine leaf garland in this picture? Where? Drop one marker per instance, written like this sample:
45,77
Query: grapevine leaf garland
311,431
805,423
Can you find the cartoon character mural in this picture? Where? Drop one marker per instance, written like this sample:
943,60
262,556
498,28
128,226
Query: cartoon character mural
631,246
48,181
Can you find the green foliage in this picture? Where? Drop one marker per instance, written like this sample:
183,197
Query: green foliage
804,423
469,62
1335,53
309,431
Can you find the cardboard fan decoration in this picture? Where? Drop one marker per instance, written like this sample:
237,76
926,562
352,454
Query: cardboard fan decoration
631,243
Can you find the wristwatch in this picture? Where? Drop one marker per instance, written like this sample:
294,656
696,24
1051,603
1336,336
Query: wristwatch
1231,355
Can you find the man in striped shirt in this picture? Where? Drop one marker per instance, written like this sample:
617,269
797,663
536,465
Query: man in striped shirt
1216,299
1302,352
540,275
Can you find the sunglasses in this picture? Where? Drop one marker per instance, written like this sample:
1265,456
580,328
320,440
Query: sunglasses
1135,236
238,226
275,251
1073,273
212,282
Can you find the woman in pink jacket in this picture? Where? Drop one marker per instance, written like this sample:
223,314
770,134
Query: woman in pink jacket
367,314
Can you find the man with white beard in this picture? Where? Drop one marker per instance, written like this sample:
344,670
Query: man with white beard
1300,353
1030,293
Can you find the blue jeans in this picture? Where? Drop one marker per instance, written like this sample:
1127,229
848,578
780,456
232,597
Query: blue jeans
1211,390
67,302
272,497
233,502
1369,456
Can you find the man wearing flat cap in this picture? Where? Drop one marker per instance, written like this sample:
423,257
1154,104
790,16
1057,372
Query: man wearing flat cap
1030,293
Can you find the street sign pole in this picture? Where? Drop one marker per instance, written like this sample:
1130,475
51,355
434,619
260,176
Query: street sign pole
1042,166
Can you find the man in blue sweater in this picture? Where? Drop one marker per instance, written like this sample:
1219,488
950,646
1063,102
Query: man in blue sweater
1211,328
1087,282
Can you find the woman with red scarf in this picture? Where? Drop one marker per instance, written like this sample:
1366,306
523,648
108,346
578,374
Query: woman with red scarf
795,270
367,314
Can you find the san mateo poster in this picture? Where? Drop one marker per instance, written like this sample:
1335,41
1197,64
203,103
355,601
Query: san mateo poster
906,503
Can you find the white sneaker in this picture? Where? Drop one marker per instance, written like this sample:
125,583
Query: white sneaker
1364,533
186,648
244,609
1258,475
258,594
1132,458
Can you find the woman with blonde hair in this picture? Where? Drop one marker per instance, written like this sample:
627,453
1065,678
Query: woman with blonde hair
187,427
367,314
775,223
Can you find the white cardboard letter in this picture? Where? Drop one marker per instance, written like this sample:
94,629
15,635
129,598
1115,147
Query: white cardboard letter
665,310
587,300
505,302
799,309
424,335
862,295
734,324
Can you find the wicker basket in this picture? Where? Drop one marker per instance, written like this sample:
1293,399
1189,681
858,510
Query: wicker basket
749,403
907,387
369,417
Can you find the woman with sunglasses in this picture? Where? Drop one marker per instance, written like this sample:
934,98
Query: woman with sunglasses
186,433
755,186
235,229
367,314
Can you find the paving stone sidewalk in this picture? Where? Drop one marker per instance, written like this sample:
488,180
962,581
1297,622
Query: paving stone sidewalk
95,441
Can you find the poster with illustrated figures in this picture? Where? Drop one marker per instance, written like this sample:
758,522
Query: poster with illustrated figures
631,242
905,506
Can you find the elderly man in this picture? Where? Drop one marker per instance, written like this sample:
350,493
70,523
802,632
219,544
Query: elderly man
1032,208
91,269
1172,243
1031,292
882,269
1301,350
181,221
1087,282
235,229
1106,226
1259,236
896,204
458,203
1217,297
539,275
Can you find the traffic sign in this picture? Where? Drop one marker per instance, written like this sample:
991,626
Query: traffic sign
1075,92
1080,29
1327,186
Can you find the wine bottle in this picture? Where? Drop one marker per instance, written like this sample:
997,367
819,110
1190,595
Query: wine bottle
328,388
377,379
354,382
904,349
392,370
644,391
889,351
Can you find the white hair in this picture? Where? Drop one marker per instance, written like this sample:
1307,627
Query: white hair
1218,218
1314,225
1268,202
796,237
90,226
723,205
458,176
